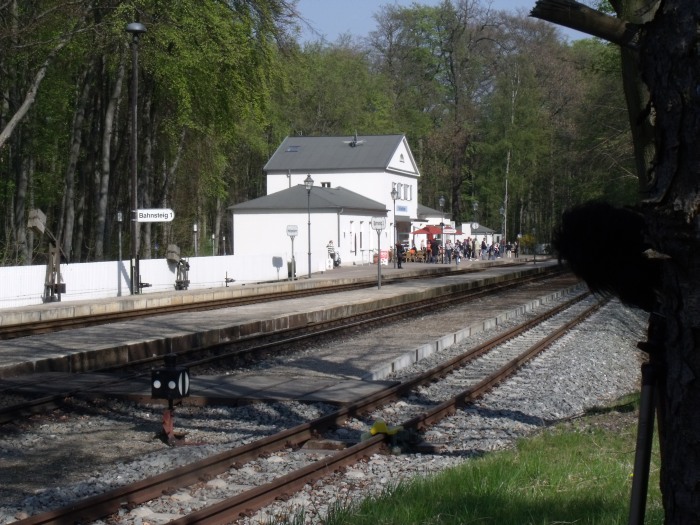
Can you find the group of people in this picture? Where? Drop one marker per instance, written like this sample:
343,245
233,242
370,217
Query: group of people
468,249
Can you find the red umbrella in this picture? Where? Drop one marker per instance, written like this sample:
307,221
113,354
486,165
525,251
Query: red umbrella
428,230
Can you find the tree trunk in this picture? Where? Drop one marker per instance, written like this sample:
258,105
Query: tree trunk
668,61
103,189
146,174
670,68
20,220
73,155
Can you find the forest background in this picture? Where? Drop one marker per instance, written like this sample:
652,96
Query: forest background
507,119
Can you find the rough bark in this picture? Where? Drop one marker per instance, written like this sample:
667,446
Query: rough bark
670,67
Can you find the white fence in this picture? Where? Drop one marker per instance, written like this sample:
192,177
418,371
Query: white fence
24,285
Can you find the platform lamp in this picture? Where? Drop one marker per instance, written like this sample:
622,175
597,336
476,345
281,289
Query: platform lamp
442,227
194,231
502,211
394,196
309,183
135,29
120,218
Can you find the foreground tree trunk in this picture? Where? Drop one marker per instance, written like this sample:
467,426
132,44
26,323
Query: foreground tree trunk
667,49
671,69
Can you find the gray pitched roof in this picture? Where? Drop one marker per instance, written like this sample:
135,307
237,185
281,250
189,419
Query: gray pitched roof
334,153
424,211
295,199
483,230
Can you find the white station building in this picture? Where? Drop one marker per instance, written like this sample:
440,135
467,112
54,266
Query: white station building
323,189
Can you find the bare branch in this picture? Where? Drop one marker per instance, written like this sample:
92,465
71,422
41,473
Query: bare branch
582,18
30,97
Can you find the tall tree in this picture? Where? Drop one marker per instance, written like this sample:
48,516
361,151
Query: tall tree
440,64
662,54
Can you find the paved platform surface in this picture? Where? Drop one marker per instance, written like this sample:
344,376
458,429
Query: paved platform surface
45,359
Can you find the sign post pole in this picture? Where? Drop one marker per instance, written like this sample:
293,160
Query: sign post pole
293,231
378,224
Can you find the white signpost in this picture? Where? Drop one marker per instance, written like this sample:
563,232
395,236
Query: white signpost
378,224
293,231
155,215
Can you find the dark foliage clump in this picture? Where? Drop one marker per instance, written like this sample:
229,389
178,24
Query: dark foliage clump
605,246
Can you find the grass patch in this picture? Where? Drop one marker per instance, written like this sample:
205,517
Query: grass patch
578,472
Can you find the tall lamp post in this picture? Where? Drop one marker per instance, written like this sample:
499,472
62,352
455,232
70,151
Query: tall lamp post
442,227
135,29
194,231
394,196
309,183
120,217
502,211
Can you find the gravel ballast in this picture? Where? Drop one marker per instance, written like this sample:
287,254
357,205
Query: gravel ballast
108,444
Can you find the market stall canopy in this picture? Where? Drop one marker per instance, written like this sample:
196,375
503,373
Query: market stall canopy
431,229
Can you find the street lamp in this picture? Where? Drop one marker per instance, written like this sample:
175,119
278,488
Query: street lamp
309,183
502,211
120,217
213,243
194,231
442,227
394,196
135,29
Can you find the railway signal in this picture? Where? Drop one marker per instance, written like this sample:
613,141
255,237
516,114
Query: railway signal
170,382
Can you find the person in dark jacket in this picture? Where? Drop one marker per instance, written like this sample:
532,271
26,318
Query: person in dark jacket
435,248
399,254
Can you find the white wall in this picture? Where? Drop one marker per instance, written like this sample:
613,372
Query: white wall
375,185
24,285
352,236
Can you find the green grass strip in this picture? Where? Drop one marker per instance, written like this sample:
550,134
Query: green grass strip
578,472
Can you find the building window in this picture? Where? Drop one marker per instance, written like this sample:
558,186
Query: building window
325,184
399,187
292,149
401,159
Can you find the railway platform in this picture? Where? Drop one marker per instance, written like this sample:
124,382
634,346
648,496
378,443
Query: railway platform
31,360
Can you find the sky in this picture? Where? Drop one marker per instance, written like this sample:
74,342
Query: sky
332,18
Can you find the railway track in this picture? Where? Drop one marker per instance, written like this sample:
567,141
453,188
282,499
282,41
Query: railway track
243,297
476,371
251,348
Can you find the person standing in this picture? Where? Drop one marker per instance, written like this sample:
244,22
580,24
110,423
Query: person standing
435,249
399,254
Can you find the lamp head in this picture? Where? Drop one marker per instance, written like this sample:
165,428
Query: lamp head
308,182
442,202
135,28
394,194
